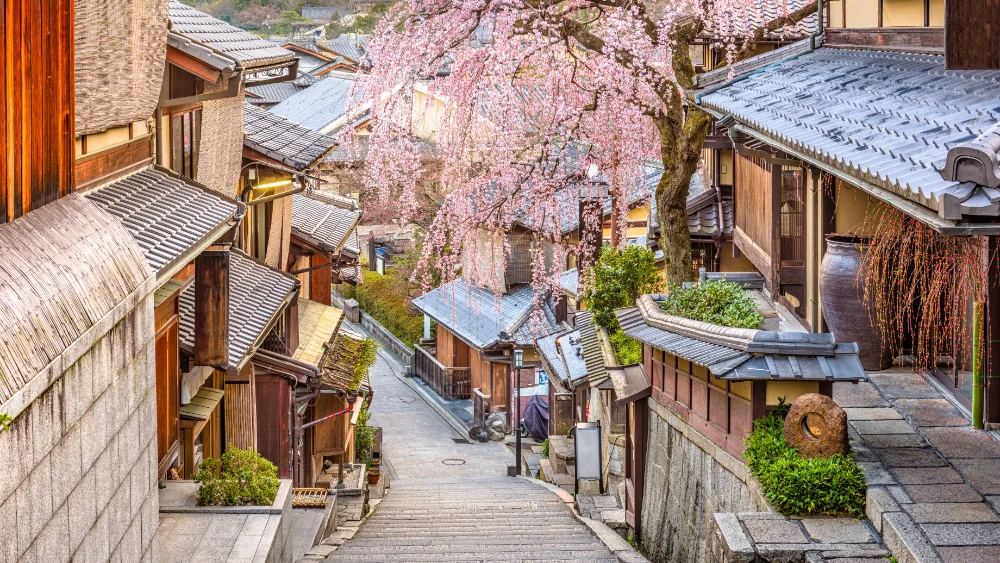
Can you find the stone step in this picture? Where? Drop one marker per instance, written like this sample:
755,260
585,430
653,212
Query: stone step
446,548
362,541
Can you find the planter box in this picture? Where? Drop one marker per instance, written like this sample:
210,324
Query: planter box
232,532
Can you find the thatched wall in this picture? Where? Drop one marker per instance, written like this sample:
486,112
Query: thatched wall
221,152
78,466
121,47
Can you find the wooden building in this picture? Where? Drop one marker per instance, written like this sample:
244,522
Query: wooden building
797,182
718,380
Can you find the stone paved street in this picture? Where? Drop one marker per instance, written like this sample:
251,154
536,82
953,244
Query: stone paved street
452,501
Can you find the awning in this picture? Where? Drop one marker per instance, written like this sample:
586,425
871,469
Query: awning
631,383
318,326
202,404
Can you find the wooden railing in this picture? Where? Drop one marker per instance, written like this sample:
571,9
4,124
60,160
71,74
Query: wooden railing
481,406
449,383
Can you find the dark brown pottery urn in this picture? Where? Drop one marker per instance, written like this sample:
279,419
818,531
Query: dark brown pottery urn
841,291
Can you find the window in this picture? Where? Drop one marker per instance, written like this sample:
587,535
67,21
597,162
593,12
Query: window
185,140
793,216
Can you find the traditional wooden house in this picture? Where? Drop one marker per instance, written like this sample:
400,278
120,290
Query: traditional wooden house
321,107
475,336
716,381
804,173
311,57
201,104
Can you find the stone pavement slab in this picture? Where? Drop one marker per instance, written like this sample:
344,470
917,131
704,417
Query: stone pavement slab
877,413
931,412
963,534
942,493
926,475
946,512
963,442
911,457
775,531
866,427
971,554
837,530
980,473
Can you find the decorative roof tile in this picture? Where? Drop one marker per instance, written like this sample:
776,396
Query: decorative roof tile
168,215
257,296
322,221
280,139
889,119
232,42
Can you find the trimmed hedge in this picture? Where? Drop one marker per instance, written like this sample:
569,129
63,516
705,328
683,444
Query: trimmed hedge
718,302
387,299
240,478
628,350
798,486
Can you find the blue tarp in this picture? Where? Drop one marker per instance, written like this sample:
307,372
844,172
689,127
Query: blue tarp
536,418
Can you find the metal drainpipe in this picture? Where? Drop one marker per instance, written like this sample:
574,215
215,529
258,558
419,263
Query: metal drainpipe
978,369
819,25
159,135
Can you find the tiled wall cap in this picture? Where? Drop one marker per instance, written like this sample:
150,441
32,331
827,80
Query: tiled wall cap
976,161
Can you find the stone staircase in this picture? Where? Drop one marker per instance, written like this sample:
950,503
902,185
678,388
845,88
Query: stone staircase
478,519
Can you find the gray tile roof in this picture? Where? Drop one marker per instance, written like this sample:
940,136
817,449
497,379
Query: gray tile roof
570,281
886,118
703,214
540,323
767,355
232,42
562,351
319,105
759,13
322,221
167,215
284,141
347,48
472,313
270,94
257,296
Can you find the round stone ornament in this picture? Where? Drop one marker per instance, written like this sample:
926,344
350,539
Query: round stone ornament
816,426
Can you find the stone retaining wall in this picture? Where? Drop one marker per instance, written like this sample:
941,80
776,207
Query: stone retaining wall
386,339
688,479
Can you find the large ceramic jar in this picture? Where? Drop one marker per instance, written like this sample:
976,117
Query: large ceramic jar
841,291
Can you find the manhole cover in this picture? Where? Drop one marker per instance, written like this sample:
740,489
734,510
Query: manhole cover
453,461
400,399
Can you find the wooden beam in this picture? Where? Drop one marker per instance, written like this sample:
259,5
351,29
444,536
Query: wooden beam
775,274
196,67
211,308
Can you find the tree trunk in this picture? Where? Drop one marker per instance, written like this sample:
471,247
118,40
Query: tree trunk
680,150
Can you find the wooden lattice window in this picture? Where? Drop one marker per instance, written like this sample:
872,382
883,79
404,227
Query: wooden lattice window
793,217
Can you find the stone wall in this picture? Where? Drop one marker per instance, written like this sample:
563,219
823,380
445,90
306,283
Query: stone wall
78,465
688,479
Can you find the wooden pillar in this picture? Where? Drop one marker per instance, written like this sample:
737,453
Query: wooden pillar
292,323
991,414
775,273
615,235
211,308
972,34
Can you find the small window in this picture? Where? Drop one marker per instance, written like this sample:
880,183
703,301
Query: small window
185,139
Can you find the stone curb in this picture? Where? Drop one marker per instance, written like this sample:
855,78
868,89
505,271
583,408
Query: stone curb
610,538
463,432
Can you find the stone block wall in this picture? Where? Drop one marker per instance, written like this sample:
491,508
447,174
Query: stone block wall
78,468
688,479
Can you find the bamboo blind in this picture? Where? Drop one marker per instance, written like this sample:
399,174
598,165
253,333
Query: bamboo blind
753,200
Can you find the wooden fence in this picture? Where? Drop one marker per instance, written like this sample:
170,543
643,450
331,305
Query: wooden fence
448,382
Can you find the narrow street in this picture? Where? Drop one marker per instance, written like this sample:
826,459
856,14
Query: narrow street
451,500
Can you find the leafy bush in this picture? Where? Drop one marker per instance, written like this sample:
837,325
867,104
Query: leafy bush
718,302
545,448
795,485
628,350
241,477
365,360
620,277
364,436
5,421
387,299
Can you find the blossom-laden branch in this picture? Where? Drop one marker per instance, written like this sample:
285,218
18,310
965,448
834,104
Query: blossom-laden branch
520,98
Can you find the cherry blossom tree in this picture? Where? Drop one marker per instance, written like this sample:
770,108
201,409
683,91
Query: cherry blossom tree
534,102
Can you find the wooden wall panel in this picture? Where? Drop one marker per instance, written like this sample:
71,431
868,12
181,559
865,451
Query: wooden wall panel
102,167
274,426
36,104
753,204
444,347
167,380
972,34
321,284
241,415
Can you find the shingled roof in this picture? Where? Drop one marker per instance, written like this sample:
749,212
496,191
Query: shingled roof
478,316
280,139
267,95
170,217
319,105
322,222
887,119
257,296
563,354
353,50
223,39
742,354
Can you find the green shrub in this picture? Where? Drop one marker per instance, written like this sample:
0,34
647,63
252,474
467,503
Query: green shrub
545,448
717,302
369,348
798,486
387,299
628,350
241,477
621,275
364,435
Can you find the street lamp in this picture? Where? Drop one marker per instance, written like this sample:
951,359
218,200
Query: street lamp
518,364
